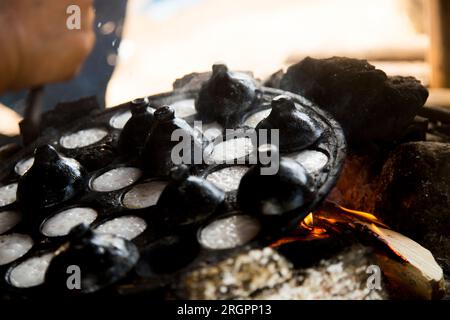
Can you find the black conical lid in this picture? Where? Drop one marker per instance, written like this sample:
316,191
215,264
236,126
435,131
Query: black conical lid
275,188
51,180
226,96
297,130
135,132
157,153
188,199
100,259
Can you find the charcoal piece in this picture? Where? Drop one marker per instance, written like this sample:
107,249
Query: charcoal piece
275,193
102,259
67,112
226,96
416,131
297,130
51,180
370,106
157,152
135,132
191,81
274,80
414,195
188,199
95,157
194,81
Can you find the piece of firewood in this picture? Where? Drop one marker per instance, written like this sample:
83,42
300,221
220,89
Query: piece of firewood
416,273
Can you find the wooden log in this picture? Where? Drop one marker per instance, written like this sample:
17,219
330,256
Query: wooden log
416,275
439,55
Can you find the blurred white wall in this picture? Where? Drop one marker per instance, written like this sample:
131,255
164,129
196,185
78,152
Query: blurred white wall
166,39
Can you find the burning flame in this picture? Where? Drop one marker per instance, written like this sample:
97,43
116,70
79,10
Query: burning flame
308,223
360,214
332,217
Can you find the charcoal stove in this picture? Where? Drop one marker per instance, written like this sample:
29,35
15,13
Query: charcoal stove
167,250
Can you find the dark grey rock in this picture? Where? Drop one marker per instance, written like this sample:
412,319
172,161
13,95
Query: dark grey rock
370,106
414,189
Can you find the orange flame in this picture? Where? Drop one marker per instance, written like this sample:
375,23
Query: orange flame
319,224
360,214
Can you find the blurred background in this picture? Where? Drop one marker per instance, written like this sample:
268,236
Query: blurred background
165,39
144,45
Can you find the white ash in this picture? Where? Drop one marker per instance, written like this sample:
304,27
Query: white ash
256,118
13,246
128,227
8,220
116,179
343,277
232,149
184,108
23,166
61,223
313,161
238,276
228,179
144,195
83,138
31,272
263,274
119,121
8,194
229,232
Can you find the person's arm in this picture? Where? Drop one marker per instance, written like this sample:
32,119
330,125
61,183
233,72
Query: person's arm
36,47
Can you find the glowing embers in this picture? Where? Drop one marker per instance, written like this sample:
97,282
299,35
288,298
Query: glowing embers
31,272
313,161
184,108
118,121
116,179
231,150
61,223
8,194
83,138
8,220
143,195
13,246
229,232
22,166
257,117
227,179
128,227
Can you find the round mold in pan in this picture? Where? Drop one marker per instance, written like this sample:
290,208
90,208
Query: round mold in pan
115,178
109,205
32,291
8,195
61,222
144,194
